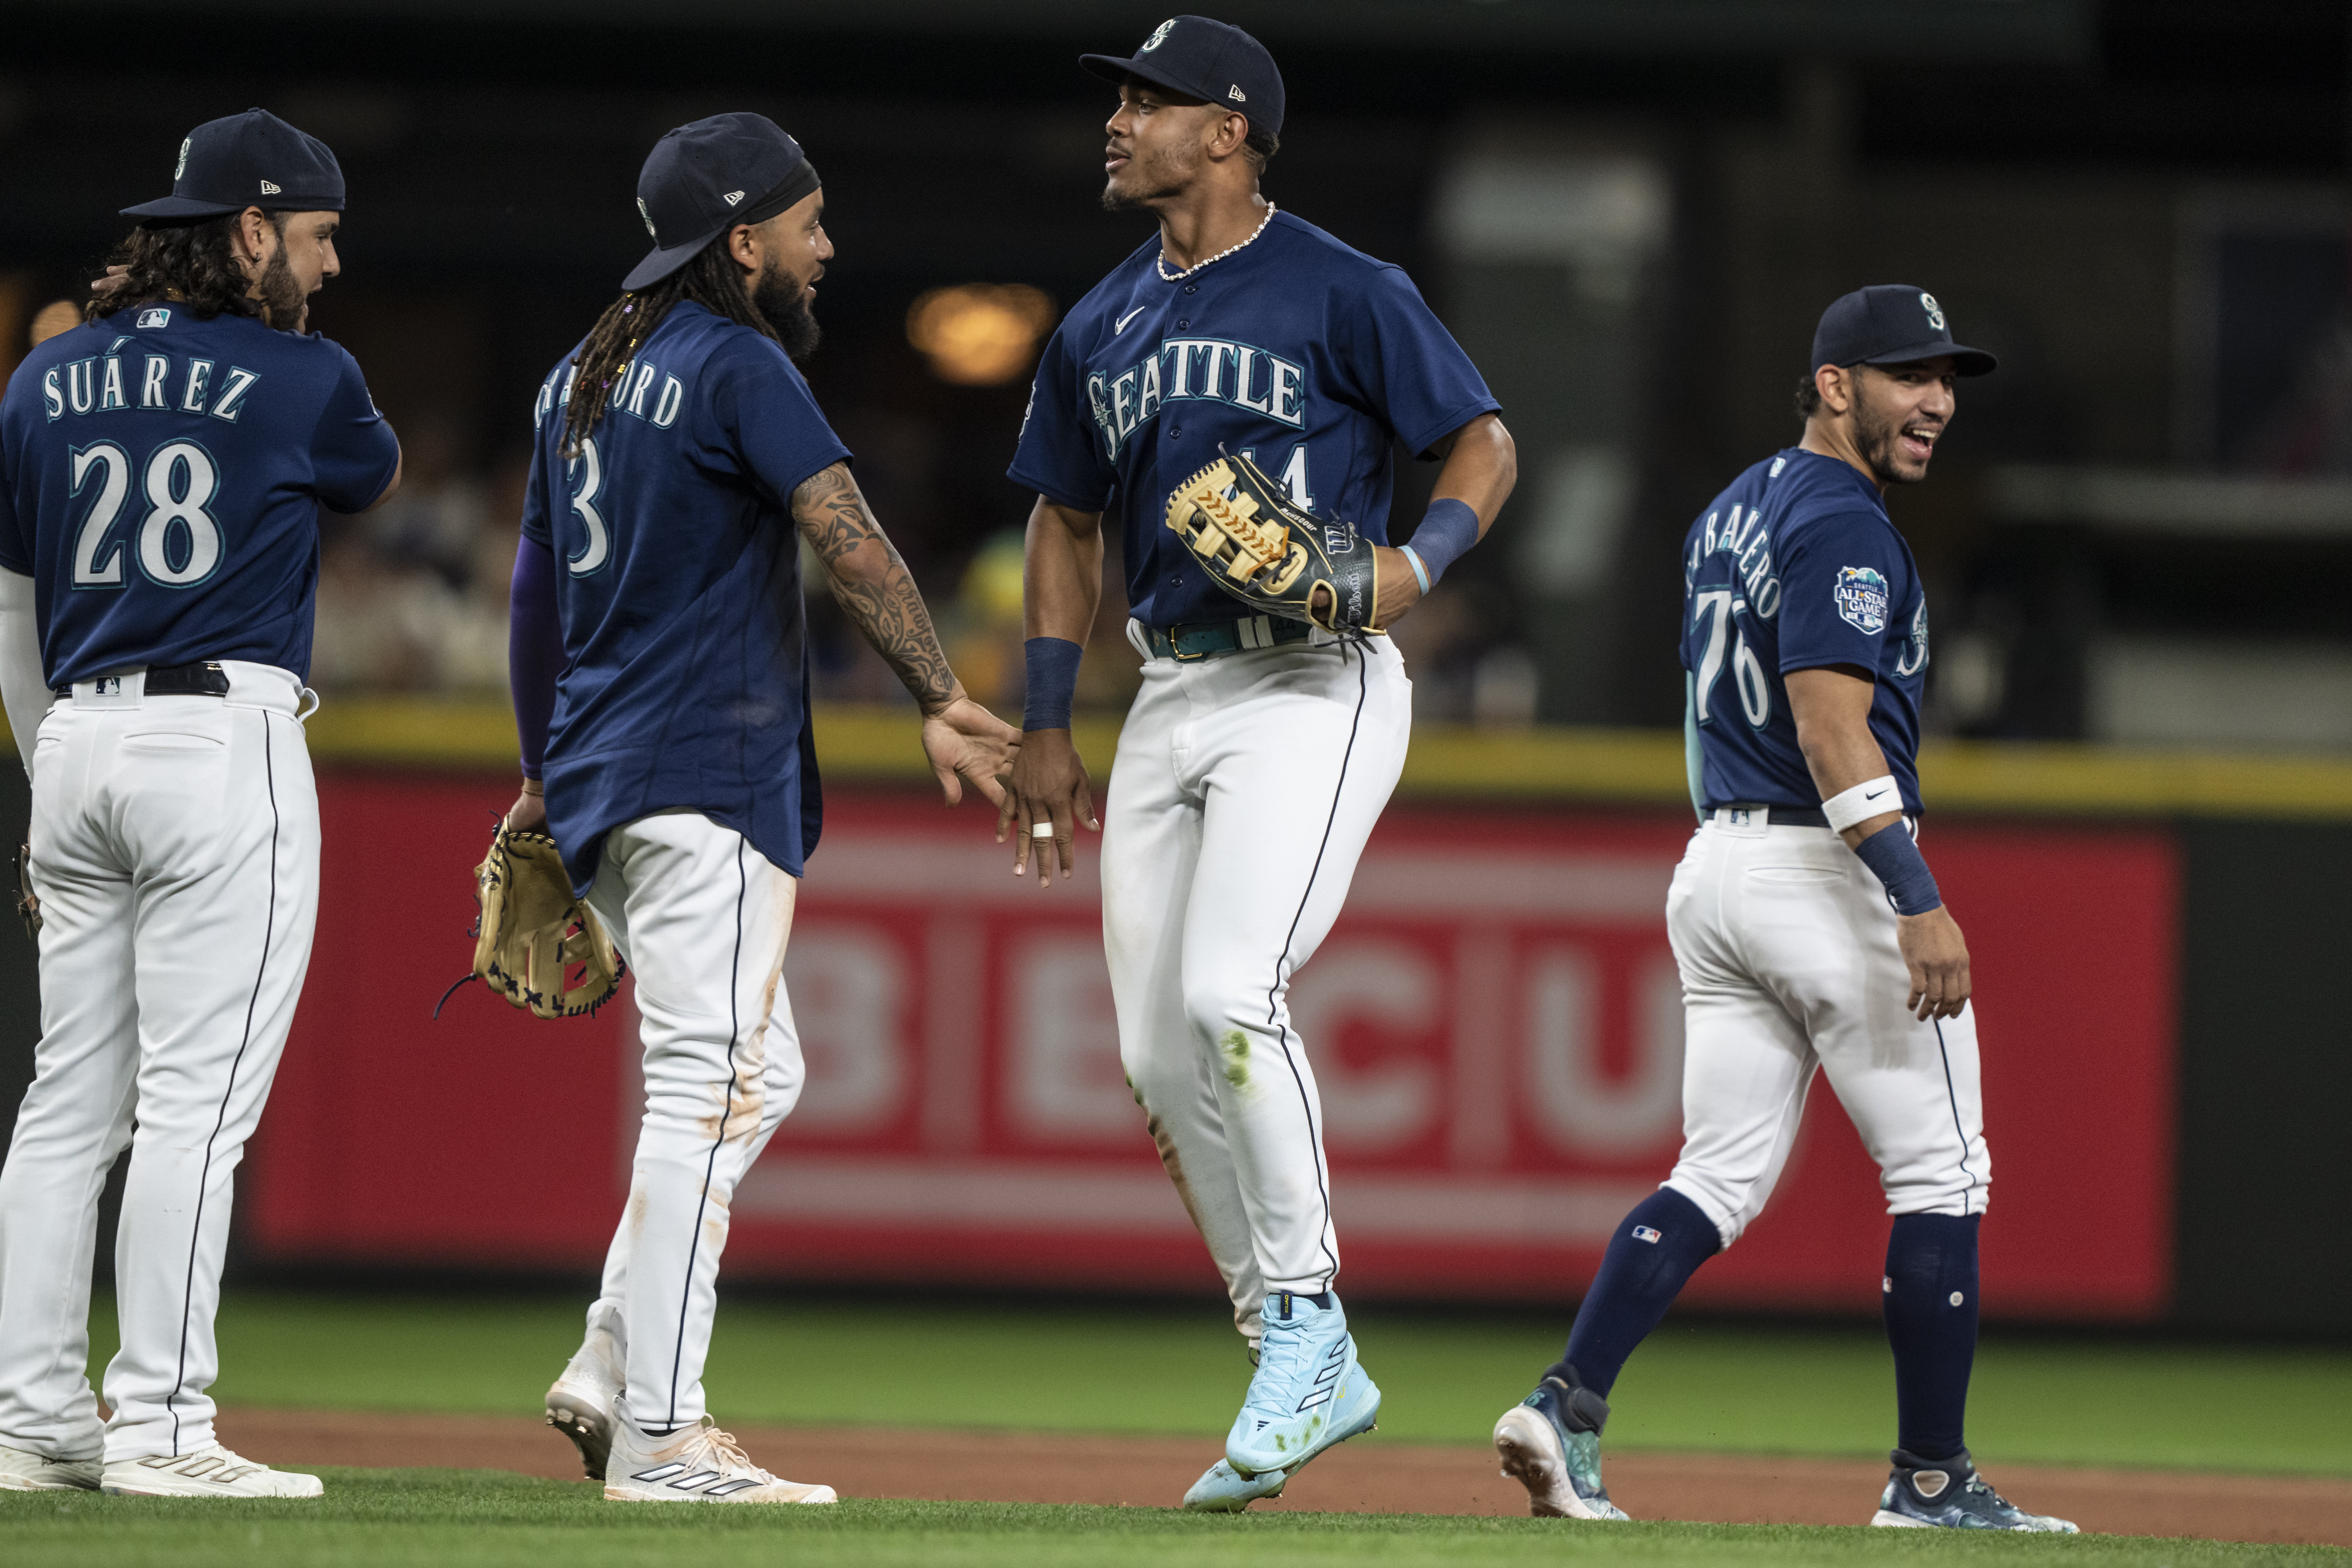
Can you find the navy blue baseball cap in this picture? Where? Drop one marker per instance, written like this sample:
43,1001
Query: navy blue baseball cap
1891,323
1213,61
702,179
249,160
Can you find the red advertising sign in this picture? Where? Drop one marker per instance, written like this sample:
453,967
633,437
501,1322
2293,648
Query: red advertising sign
1496,1030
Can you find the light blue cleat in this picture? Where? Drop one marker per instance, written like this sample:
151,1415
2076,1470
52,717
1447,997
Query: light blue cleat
1309,1393
1223,1490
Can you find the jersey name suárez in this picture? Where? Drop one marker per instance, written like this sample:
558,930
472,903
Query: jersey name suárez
678,581
1796,566
160,481
1313,358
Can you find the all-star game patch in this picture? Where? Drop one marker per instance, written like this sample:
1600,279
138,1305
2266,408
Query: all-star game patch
1861,598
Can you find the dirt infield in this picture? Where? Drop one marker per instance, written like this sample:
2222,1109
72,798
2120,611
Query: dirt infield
1361,1477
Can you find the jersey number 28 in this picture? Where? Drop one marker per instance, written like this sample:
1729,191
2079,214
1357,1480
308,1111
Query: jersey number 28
178,542
1714,613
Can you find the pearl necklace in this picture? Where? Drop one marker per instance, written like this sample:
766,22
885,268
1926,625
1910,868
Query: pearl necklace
1160,260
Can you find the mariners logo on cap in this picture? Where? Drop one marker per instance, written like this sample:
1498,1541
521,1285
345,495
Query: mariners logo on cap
180,169
1934,312
1861,595
649,220
1159,36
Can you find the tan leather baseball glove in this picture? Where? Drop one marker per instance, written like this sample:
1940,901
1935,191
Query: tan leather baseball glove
533,932
1270,552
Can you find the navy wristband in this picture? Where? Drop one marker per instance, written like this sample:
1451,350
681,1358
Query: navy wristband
1897,863
1052,682
1447,529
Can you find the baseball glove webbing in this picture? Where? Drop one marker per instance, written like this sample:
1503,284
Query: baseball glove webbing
1270,552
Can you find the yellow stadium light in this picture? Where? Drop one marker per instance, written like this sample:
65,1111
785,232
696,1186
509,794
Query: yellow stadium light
58,316
980,334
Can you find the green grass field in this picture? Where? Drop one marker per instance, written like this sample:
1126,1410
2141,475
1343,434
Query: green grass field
455,1519
2076,1399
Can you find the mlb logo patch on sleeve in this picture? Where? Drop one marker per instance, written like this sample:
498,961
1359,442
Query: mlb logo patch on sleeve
1646,1233
1861,598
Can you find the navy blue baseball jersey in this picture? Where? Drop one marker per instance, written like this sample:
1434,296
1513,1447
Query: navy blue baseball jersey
1313,358
160,481
1796,566
678,580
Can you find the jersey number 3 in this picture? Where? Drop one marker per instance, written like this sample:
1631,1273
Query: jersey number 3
589,469
178,542
1714,613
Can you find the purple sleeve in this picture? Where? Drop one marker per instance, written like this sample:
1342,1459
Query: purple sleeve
534,648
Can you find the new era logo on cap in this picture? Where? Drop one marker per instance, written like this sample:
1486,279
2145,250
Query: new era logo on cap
270,188
1237,95
734,198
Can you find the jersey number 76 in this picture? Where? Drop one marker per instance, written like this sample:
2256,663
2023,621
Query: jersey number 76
1714,610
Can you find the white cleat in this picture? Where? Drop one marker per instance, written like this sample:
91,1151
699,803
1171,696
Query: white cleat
694,1464
22,1470
580,1402
211,1471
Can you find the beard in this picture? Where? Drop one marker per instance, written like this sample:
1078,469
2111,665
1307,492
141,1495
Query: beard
280,295
1877,435
780,297
1151,177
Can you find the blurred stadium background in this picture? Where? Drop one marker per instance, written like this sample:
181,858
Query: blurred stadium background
1630,212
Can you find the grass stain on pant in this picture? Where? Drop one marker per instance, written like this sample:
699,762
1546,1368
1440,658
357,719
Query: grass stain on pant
1234,1046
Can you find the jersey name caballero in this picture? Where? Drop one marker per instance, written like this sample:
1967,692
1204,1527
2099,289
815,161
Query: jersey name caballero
678,581
1313,358
161,478
1796,566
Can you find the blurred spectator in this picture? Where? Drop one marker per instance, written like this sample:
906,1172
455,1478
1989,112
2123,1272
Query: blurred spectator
433,519
380,622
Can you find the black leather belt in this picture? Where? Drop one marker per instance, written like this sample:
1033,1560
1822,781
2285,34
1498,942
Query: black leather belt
202,679
1787,816
1211,639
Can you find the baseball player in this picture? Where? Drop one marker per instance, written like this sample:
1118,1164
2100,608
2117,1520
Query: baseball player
659,663
1805,922
1260,751
160,471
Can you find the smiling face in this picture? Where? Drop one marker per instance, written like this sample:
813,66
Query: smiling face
1158,143
784,257
1898,413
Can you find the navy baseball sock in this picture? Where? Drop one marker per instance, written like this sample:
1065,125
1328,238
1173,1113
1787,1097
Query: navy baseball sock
1656,1249
1931,1323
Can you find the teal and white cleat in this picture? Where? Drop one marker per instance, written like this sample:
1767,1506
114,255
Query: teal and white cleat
1948,1494
1309,1393
1223,1490
1551,1443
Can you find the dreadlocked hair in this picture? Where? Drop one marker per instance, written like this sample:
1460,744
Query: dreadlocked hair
193,264
713,280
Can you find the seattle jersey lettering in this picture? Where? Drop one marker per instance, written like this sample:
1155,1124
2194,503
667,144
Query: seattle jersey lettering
1238,373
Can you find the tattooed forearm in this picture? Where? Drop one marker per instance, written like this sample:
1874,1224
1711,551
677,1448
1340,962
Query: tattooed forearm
832,515
872,586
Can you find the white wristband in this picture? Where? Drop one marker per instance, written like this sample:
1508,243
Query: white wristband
1871,797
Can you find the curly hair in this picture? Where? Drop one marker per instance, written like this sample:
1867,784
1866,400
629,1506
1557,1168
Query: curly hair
1808,396
712,280
193,264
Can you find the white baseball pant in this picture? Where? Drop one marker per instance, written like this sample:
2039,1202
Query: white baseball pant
702,919
1244,790
175,854
1788,960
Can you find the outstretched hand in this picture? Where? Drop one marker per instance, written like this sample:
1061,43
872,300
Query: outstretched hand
1049,789
967,745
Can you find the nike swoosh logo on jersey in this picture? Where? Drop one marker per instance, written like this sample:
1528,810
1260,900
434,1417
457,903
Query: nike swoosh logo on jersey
1123,321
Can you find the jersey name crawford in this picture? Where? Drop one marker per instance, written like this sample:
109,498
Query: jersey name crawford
1211,369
